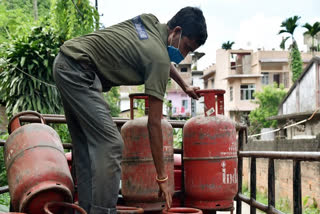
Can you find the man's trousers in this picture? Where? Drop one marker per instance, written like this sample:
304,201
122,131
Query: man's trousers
97,143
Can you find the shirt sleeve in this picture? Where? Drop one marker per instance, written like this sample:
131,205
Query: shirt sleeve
156,78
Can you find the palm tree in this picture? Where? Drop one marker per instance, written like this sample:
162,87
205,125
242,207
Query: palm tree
283,42
289,26
227,45
312,30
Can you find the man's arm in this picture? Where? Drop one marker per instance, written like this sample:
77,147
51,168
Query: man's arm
190,90
156,145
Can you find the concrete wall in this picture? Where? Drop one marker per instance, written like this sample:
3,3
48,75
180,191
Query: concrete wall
310,128
310,171
307,91
305,95
290,105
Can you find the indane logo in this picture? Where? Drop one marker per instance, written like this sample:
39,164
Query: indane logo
228,178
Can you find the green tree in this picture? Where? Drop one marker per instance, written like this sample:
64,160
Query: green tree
74,18
113,99
296,64
26,80
283,42
227,45
289,25
16,17
312,30
268,100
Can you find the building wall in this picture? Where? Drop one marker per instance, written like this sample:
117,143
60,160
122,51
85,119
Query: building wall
290,105
176,103
198,81
307,89
304,96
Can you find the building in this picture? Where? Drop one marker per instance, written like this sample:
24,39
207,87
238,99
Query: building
307,40
302,102
242,72
180,104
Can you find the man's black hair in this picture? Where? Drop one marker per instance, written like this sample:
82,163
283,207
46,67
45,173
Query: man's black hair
192,22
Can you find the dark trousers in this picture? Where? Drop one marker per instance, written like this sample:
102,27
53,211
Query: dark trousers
97,143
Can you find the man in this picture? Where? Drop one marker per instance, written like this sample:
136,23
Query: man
134,52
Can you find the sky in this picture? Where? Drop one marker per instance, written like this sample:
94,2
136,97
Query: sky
251,24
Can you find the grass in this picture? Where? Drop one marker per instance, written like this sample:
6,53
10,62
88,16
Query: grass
309,205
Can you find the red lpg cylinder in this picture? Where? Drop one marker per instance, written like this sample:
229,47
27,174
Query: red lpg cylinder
36,166
177,172
129,210
50,206
177,210
176,199
210,156
139,187
69,160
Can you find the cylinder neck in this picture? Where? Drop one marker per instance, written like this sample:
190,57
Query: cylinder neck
213,101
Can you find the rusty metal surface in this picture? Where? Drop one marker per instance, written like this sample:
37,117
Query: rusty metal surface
37,168
54,205
139,186
129,210
15,120
49,118
176,210
303,156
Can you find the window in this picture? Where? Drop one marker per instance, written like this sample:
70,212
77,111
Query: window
276,79
184,69
174,110
265,78
206,84
185,104
212,83
247,91
231,93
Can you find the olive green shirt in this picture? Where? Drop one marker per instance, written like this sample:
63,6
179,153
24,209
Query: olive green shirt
133,52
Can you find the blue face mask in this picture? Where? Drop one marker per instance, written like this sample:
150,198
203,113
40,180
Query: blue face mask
174,53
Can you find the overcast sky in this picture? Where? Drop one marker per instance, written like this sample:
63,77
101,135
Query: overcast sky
251,24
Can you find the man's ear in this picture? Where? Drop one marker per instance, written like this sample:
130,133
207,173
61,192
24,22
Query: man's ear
177,30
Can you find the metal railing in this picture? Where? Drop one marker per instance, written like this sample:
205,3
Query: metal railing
297,157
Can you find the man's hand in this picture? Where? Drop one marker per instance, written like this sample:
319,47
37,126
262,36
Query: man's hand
191,91
165,192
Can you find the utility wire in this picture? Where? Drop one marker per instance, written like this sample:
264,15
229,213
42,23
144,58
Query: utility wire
32,77
288,126
77,8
